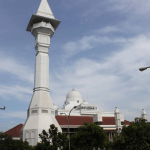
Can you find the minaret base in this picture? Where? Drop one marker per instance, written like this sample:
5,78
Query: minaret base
39,117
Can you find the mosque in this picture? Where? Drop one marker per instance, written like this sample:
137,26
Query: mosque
41,111
84,112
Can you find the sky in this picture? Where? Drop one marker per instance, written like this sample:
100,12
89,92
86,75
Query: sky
97,49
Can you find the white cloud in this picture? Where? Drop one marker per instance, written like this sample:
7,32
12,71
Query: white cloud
108,29
9,90
114,81
17,92
15,114
11,66
134,7
88,42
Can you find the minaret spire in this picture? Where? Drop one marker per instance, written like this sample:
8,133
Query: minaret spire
45,10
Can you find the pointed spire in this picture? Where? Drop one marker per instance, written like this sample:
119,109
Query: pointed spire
45,10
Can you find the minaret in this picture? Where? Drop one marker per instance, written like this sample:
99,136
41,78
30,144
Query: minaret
117,120
41,112
144,115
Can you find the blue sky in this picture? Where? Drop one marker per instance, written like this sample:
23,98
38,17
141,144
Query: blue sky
97,49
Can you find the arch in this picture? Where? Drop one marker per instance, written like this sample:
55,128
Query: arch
32,134
27,135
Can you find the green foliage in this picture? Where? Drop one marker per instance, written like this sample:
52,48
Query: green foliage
52,140
89,136
7,143
108,145
134,137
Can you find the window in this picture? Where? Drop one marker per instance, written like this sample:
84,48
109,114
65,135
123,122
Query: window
76,129
34,111
52,112
32,138
32,134
64,130
44,111
122,123
77,101
27,135
72,130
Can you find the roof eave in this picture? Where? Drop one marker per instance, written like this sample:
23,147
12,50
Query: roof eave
36,19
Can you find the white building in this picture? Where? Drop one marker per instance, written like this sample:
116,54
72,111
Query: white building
85,112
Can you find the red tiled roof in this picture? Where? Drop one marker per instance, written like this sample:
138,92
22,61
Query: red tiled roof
127,122
15,131
108,120
74,120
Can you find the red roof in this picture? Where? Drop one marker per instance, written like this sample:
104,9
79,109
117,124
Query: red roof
127,122
108,120
74,120
15,131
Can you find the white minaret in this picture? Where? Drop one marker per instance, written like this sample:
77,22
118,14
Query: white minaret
117,120
41,112
144,115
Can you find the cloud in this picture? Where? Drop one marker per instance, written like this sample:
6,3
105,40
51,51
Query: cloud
88,42
10,89
108,29
115,80
10,65
16,91
15,114
130,115
134,7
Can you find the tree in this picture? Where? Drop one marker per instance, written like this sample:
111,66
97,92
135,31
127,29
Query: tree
52,140
7,143
134,137
89,136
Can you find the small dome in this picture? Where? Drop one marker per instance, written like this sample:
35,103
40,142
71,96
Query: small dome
73,95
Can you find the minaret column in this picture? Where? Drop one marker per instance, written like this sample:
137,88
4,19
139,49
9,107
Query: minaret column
42,32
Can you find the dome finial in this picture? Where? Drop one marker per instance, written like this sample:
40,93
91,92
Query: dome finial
73,89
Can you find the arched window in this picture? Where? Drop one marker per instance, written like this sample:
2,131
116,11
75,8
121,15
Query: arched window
27,137
32,138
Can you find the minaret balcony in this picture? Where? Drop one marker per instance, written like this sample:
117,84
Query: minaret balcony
42,28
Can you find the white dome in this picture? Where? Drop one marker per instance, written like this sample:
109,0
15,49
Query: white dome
73,96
